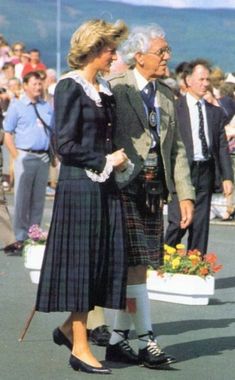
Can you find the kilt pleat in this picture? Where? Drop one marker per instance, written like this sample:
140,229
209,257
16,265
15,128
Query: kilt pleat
84,263
144,230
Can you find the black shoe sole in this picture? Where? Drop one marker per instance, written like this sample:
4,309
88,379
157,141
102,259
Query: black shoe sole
162,365
122,360
155,366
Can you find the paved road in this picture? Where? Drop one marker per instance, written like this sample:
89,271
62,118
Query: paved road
201,337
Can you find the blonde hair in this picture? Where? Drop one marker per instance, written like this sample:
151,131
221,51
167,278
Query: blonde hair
216,77
91,37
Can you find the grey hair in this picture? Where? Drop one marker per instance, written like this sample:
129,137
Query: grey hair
139,41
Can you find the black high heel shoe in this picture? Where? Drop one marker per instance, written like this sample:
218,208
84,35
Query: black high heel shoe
59,338
79,365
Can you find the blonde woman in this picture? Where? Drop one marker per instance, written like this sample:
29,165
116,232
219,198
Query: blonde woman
84,263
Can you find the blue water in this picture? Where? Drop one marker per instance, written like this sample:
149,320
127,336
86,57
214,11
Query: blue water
191,33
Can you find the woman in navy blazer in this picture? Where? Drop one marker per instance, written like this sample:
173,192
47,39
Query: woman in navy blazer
85,262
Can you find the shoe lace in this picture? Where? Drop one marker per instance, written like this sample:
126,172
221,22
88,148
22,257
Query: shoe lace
125,345
152,345
154,348
125,342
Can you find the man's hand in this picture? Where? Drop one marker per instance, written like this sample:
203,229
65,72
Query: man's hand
187,211
9,142
227,187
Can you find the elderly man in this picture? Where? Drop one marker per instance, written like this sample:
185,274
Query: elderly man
202,129
147,129
27,137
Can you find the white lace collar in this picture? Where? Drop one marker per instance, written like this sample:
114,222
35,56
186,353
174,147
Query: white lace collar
88,88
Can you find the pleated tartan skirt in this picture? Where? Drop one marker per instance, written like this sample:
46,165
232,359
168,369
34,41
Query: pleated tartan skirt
85,262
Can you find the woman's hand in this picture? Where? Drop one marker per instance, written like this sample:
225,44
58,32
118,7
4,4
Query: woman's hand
119,158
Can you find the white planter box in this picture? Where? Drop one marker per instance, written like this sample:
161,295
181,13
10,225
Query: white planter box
180,288
33,255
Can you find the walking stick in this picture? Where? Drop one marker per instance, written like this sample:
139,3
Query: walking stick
27,323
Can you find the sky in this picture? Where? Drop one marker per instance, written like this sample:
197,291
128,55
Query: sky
183,3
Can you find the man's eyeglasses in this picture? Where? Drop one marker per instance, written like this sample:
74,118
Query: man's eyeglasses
160,52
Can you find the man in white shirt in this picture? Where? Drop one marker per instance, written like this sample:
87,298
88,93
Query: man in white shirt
202,130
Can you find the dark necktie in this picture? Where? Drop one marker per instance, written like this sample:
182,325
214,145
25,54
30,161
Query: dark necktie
202,136
148,95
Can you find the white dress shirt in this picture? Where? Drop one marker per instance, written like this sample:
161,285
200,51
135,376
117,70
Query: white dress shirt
194,119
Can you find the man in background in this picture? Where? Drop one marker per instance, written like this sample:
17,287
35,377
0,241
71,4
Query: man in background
203,133
27,140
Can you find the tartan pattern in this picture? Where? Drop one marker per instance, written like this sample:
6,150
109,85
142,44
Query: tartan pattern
85,262
144,230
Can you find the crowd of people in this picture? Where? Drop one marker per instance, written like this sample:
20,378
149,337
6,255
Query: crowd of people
131,136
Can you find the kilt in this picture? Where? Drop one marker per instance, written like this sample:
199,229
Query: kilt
85,262
145,231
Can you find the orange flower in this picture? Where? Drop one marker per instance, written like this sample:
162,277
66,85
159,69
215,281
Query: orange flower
203,271
179,260
210,258
180,249
195,252
217,268
181,252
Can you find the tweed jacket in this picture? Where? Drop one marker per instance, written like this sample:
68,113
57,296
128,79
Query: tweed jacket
132,133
